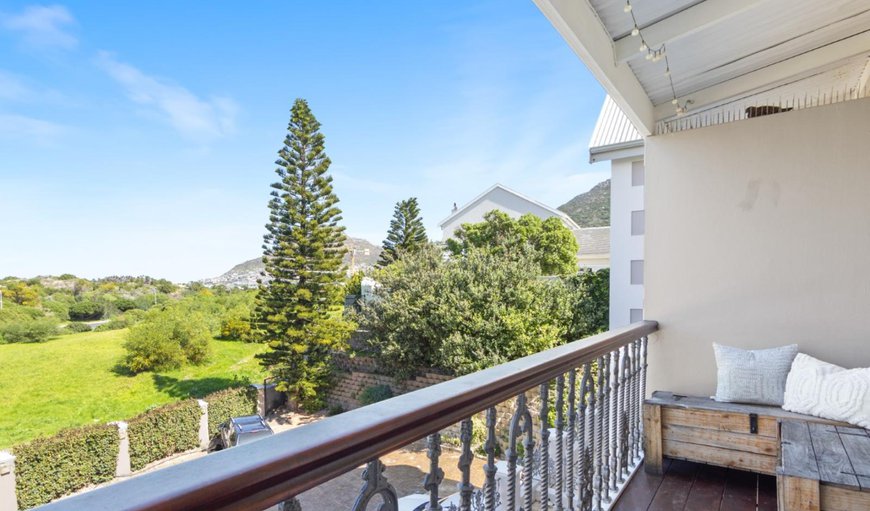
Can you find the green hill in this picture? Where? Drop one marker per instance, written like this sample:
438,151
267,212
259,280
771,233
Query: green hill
590,209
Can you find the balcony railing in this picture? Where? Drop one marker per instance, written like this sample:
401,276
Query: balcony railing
573,438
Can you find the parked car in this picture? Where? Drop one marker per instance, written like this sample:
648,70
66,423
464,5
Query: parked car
239,431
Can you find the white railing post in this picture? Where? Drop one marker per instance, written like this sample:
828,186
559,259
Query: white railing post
8,500
122,468
203,424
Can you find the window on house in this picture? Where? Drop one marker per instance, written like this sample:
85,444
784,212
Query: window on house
635,315
637,171
637,272
637,223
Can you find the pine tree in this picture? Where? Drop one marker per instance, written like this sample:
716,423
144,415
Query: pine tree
298,305
406,233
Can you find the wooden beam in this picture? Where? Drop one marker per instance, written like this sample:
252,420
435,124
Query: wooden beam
652,439
683,23
579,25
782,71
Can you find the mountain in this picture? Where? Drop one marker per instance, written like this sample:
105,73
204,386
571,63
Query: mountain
590,209
360,255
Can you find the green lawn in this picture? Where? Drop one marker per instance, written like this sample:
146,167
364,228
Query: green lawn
73,380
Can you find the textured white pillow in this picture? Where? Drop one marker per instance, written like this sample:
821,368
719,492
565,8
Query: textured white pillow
752,376
827,390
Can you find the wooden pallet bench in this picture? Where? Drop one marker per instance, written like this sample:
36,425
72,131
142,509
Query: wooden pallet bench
824,467
699,429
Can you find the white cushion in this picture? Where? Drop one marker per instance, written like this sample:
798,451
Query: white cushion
752,376
829,391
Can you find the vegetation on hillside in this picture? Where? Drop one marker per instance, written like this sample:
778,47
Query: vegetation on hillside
592,208
298,311
38,309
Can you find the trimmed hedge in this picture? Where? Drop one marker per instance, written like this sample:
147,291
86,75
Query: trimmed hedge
228,403
49,468
162,432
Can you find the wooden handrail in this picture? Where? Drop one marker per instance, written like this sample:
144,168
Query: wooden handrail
264,473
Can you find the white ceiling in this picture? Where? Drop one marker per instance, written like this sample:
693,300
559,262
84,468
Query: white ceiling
720,52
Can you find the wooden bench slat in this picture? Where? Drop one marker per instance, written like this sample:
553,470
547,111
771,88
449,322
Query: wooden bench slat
719,456
798,459
705,403
857,445
834,498
734,422
834,464
725,439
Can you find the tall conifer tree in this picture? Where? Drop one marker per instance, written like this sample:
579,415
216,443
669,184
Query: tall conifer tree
298,303
406,233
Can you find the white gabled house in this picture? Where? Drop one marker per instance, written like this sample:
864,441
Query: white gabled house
504,199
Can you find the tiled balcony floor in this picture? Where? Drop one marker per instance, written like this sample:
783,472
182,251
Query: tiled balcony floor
695,487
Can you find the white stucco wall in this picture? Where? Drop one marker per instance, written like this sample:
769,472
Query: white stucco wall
495,199
758,235
624,198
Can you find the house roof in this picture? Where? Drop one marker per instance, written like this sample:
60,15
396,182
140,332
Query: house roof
702,62
565,218
593,240
613,134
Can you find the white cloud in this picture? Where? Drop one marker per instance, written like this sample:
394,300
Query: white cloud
42,26
201,119
29,128
12,88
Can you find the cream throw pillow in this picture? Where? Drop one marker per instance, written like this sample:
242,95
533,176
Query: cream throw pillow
752,376
829,391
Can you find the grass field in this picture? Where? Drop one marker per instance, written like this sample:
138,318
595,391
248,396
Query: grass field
74,380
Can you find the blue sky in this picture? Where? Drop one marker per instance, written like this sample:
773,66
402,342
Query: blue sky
139,137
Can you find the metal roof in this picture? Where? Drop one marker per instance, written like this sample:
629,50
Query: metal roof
613,131
498,186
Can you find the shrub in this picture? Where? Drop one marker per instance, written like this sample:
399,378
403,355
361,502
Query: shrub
473,311
38,330
125,304
375,393
74,328
167,339
224,404
163,431
236,323
49,468
85,311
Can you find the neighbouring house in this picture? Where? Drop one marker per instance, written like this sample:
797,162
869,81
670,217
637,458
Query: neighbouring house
616,140
594,241
502,198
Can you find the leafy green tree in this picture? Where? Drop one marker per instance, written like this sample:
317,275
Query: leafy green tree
587,305
167,339
463,314
298,310
22,294
406,233
555,247
85,311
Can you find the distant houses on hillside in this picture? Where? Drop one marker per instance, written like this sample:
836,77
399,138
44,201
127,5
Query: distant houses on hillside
594,242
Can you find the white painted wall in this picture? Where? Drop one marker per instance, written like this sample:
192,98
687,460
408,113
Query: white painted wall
500,199
758,235
624,198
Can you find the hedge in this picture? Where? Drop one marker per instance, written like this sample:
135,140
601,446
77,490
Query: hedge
162,432
49,468
224,404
